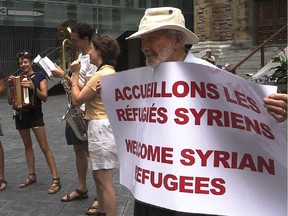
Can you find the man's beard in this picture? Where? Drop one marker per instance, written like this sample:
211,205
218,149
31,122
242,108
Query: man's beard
162,56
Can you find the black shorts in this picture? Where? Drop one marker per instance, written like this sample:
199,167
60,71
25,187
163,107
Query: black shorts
72,139
37,123
143,209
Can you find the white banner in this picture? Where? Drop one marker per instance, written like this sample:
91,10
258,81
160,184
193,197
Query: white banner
197,139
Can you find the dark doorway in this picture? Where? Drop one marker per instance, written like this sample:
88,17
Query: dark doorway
271,16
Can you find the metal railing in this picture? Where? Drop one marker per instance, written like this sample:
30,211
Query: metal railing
261,46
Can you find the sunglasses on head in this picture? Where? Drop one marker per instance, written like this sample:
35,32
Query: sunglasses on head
24,54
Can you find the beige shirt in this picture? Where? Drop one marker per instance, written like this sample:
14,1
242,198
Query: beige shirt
95,108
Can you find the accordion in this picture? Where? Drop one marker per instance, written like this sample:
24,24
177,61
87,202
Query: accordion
22,98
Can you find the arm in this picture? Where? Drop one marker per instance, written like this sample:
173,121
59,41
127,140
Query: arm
79,96
9,91
2,86
276,105
213,60
41,93
204,57
59,73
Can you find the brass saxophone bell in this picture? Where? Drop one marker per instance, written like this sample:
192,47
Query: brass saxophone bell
64,30
67,52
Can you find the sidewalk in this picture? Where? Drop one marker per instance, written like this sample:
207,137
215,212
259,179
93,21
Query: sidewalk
34,200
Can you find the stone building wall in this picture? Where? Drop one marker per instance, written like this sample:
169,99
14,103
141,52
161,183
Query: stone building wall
229,29
222,20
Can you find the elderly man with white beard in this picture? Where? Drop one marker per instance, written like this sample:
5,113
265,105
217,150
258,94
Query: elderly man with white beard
163,38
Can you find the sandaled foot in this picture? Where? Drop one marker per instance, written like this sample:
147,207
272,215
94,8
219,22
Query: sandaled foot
3,184
30,180
92,210
77,194
55,187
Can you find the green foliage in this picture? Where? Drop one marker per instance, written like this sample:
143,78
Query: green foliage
279,77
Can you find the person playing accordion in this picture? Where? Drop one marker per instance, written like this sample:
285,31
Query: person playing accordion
29,116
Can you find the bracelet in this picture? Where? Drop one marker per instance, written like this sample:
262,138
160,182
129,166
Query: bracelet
74,85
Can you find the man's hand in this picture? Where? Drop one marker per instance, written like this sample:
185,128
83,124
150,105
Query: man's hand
58,72
276,105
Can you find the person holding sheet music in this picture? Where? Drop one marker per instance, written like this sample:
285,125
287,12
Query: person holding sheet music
163,37
32,119
81,36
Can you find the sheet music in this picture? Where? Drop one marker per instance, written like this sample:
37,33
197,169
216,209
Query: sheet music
46,64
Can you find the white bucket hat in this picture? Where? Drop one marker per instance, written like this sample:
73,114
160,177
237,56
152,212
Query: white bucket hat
164,18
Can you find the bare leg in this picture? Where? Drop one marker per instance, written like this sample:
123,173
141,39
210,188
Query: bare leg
42,140
2,176
105,191
81,166
30,158
29,153
3,183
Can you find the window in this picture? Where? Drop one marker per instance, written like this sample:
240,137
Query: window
142,4
155,3
129,3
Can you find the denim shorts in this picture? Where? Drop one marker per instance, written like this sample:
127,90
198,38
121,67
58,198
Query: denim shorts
72,139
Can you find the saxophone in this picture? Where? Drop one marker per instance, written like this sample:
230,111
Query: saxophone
74,116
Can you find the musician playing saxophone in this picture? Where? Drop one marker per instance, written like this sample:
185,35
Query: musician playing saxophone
27,120
81,36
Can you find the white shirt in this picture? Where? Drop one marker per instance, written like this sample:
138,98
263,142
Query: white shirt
87,69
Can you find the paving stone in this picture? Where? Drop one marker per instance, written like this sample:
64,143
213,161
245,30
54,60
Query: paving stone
34,200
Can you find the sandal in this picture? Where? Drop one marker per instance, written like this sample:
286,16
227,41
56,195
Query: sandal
55,187
3,182
79,195
92,210
28,181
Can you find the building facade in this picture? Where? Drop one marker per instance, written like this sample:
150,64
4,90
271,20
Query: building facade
252,20
234,29
32,24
